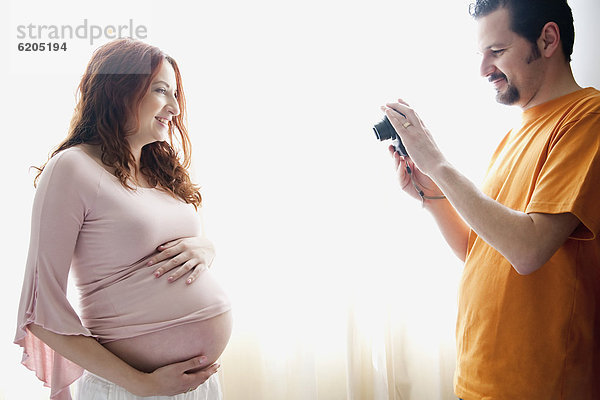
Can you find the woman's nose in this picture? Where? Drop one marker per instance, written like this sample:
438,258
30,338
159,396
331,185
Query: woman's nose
173,106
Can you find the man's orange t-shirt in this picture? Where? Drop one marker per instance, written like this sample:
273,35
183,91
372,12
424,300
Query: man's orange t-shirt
537,336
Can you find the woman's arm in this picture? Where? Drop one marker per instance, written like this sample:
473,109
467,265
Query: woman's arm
86,352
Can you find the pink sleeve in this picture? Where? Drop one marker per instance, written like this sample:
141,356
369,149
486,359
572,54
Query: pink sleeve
64,195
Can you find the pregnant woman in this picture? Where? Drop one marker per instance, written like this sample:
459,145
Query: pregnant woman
115,206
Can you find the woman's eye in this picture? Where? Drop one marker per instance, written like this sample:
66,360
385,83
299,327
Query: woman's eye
162,90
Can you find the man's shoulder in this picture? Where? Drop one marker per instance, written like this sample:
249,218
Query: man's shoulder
588,99
583,103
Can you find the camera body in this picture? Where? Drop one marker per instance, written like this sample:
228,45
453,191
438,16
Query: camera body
385,131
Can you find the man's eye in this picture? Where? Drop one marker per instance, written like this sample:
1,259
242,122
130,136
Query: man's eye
498,52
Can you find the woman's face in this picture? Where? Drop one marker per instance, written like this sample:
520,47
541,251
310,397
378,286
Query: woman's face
157,108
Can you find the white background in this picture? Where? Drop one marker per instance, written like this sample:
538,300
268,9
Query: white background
300,198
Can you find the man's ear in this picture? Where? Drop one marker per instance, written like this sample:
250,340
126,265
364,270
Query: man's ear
549,40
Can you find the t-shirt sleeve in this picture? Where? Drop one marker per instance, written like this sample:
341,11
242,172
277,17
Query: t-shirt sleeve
63,197
568,181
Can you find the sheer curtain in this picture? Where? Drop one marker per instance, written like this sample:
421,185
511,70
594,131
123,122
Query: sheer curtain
342,286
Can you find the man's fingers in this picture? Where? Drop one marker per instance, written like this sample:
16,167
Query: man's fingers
392,151
393,114
400,109
408,114
410,110
398,121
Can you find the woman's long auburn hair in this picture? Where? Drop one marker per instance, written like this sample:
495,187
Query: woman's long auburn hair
116,78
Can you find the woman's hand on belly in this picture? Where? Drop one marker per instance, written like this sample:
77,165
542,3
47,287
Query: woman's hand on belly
189,254
175,378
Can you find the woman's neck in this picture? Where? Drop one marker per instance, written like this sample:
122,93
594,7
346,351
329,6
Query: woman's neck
137,177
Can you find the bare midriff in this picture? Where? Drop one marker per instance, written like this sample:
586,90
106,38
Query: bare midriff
179,343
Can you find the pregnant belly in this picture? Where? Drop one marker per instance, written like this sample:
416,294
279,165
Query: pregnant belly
154,350
149,322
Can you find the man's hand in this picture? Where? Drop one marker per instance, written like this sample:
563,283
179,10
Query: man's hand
415,136
424,183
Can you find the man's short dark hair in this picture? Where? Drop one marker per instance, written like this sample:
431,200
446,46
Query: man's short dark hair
528,17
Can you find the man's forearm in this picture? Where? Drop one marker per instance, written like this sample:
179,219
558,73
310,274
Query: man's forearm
527,245
527,241
454,230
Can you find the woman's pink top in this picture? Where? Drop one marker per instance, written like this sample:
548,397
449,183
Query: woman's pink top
85,221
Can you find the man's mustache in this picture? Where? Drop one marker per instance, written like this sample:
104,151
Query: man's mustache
497,76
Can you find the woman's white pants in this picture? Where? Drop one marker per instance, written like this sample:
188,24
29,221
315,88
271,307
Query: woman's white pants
93,387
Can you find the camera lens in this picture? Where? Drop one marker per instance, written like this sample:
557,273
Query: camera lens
384,131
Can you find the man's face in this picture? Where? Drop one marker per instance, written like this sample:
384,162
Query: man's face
510,62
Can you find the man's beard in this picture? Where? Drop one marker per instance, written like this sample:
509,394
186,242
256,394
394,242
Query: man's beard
510,95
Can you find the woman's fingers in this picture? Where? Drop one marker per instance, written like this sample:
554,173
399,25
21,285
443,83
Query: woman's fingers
180,377
201,376
185,268
186,254
166,253
169,265
193,364
166,245
197,271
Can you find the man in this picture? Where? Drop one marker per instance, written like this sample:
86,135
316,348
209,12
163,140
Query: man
529,304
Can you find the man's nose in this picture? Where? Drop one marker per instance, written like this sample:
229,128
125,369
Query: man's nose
487,66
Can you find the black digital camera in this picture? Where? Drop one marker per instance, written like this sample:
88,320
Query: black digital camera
384,131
